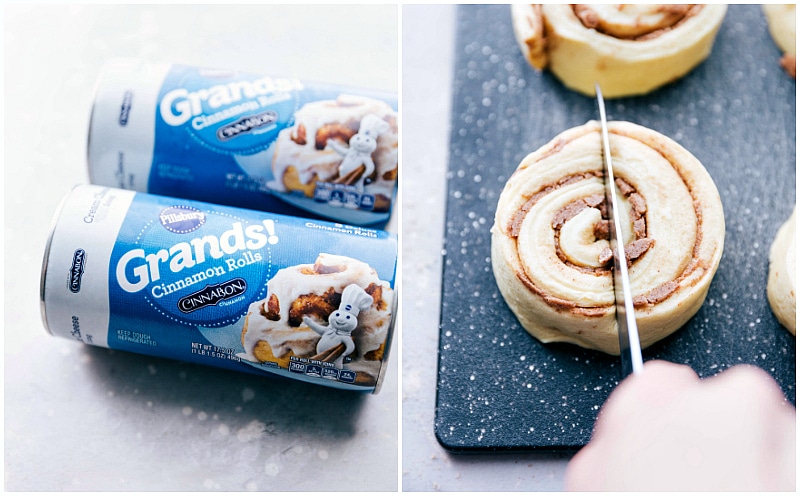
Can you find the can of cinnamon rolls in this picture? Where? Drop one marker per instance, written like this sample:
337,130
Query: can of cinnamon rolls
233,288
246,140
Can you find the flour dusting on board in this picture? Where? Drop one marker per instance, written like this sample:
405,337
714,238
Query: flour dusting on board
499,388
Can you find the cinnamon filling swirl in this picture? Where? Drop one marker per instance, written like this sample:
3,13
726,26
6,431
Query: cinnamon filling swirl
634,22
550,250
601,261
627,49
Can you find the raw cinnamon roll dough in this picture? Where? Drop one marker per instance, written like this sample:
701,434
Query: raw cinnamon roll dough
628,49
782,282
550,251
782,23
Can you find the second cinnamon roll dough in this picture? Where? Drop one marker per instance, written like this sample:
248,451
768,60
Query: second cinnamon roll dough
782,281
548,237
782,23
628,49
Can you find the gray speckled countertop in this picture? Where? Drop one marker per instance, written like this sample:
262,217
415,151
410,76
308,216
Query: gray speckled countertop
428,59
82,418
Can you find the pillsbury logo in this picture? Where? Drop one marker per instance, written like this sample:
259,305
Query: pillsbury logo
181,219
76,270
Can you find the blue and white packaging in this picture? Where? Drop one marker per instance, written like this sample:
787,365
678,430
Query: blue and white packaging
246,140
233,288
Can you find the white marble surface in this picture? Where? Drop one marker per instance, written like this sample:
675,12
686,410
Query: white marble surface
427,60
82,418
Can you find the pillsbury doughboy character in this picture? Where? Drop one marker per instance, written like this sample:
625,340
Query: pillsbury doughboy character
341,322
361,147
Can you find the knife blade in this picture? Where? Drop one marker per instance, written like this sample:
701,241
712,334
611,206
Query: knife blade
630,349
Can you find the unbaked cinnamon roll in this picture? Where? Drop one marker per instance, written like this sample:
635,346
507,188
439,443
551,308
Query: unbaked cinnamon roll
782,23
550,249
628,49
782,282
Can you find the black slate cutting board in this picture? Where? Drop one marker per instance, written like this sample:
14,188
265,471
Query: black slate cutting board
500,389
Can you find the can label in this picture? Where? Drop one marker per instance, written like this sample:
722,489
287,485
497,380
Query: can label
222,286
247,140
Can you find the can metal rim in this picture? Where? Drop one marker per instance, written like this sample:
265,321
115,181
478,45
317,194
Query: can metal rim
388,346
89,134
48,244
95,91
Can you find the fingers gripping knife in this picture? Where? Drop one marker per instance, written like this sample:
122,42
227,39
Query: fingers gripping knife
629,348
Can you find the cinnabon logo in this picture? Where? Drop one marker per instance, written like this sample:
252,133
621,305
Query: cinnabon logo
212,295
125,108
76,270
247,125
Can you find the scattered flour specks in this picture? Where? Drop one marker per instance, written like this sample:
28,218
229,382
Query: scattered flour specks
248,394
253,430
152,369
202,415
271,469
187,410
251,486
224,429
323,454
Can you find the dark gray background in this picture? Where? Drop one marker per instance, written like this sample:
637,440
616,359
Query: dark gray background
499,388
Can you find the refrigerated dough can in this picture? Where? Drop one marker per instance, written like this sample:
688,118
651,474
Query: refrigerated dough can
239,289
247,140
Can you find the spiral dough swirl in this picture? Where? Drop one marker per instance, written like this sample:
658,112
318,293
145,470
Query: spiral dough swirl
550,250
628,49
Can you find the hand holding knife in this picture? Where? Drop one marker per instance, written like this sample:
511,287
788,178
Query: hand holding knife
629,347
696,407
